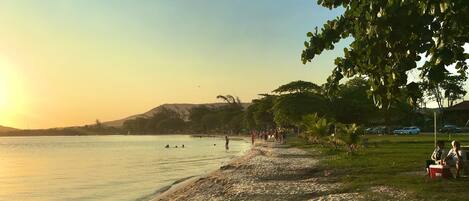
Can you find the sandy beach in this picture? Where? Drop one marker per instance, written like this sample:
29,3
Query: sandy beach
272,172
268,172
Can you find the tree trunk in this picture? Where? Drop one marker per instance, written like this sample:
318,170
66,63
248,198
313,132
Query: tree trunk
386,107
386,121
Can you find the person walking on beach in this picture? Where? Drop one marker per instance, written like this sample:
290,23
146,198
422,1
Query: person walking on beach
227,141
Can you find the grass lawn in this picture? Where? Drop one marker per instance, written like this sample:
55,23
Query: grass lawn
393,161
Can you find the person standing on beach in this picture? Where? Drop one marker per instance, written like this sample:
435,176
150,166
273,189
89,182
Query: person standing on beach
227,141
253,137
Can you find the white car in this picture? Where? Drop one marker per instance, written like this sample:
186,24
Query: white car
407,130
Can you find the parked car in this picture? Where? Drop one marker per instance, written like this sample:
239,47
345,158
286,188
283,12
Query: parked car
376,130
369,130
407,130
450,129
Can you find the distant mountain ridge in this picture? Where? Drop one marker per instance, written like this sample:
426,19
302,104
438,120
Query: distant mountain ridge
182,109
6,129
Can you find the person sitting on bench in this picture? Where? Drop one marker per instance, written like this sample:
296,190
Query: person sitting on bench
454,157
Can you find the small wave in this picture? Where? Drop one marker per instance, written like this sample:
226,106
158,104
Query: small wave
163,189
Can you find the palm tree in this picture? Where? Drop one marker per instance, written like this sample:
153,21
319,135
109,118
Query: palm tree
230,99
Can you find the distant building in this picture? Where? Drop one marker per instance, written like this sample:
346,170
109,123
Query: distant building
457,114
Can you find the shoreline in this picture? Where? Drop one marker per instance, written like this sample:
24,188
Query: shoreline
166,191
188,182
270,171
233,137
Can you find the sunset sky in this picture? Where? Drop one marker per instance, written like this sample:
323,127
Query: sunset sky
66,63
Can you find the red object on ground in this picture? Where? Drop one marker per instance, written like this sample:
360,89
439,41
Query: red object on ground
439,171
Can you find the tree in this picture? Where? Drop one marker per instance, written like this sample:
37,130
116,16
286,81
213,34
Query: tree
298,87
164,121
352,103
388,39
289,109
259,115
196,117
349,134
98,124
170,125
211,122
230,115
454,90
315,127
230,99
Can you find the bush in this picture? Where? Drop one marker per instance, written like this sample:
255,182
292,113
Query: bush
315,127
349,135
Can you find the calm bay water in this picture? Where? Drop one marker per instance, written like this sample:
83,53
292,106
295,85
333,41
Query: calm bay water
104,167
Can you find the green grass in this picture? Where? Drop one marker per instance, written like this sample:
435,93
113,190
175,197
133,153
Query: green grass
394,161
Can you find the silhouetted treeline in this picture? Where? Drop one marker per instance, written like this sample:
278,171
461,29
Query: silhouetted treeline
228,118
284,107
68,131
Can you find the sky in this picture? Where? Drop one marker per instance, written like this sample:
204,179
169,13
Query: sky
66,63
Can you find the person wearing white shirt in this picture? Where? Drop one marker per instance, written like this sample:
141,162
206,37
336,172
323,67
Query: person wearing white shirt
455,157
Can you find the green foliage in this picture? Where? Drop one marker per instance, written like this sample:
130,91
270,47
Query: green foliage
388,38
318,129
352,103
259,115
349,134
298,87
289,109
227,118
393,161
231,115
315,127
453,87
165,121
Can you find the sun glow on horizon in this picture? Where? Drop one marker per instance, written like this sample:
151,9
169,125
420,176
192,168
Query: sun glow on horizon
11,94
4,82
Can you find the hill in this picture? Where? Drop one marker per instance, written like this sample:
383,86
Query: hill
182,108
6,129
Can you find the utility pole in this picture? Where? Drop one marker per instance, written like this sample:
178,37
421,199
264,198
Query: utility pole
434,125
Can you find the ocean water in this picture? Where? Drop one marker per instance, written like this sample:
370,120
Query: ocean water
104,167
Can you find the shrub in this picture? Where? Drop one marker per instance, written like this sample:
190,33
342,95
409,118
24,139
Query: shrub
315,127
350,135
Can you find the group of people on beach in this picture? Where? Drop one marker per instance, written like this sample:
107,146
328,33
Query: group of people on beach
167,146
227,142
279,135
454,158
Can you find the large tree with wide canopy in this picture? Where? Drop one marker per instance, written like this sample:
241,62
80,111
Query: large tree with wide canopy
389,37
